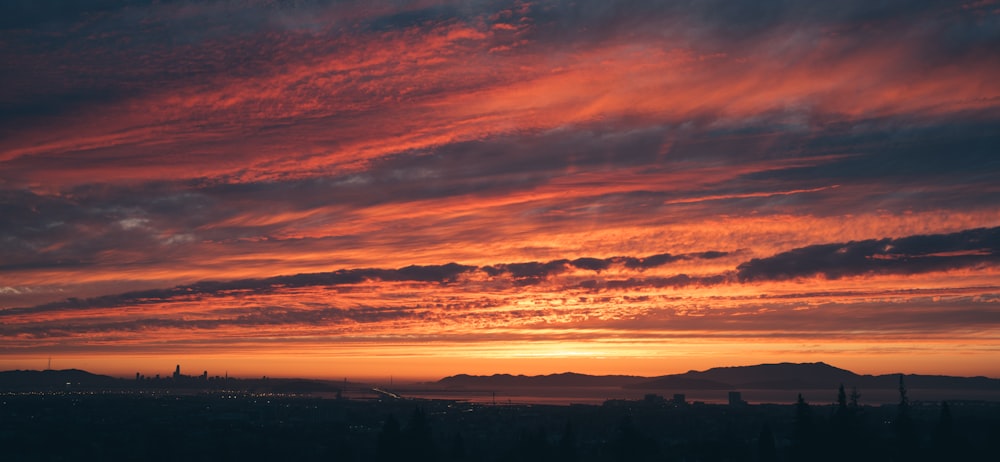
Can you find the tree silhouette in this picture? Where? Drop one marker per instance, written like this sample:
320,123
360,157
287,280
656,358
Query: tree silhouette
855,396
566,452
803,444
906,434
533,446
766,451
904,401
846,433
841,425
457,451
631,444
945,440
418,440
389,447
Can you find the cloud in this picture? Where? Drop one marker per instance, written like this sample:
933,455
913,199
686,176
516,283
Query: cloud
525,273
906,255
440,274
529,271
333,319
680,280
211,69
537,271
576,156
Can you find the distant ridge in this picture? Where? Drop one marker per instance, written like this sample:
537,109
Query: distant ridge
781,376
27,379
75,379
565,379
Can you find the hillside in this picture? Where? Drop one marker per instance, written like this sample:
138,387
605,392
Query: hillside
566,379
783,376
53,379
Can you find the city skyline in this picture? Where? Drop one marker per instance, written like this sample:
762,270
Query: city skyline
425,188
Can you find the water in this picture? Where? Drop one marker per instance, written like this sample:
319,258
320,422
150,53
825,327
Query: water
598,395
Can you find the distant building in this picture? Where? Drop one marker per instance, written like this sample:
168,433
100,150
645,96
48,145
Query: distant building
736,399
679,399
177,372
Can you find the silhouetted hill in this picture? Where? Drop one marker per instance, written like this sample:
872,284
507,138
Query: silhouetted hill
802,376
762,376
49,379
566,379
783,376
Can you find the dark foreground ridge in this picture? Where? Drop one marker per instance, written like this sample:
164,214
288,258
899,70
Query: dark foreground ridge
238,425
75,415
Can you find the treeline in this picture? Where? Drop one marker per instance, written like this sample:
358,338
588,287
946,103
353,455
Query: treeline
843,431
162,427
853,432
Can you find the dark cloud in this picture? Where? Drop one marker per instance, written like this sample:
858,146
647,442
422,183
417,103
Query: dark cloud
412,18
680,280
23,110
183,42
922,315
74,56
442,274
593,264
529,271
30,13
526,273
334,318
503,164
900,151
76,227
907,255
537,271
19,14
716,23
431,273
898,164
654,260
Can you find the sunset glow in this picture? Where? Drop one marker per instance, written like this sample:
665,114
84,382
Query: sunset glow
424,188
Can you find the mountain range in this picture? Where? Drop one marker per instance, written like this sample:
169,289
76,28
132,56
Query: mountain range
783,376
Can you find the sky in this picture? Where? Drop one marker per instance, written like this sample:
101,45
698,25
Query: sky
429,187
